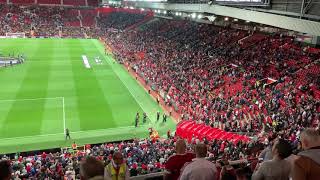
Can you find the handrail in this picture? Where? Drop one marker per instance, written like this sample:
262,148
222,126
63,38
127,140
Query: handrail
146,176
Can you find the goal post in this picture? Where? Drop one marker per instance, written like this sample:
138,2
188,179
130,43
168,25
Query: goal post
16,35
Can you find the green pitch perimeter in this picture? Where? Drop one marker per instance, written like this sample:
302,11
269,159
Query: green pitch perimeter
54,90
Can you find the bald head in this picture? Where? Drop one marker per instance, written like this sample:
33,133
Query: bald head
181,146
201,150
310,137
91,167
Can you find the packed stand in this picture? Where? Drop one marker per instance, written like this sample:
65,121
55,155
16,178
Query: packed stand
42,21
142,157
281,157
118,20
56,21
213,75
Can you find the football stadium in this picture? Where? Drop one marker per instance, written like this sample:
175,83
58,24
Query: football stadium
69,83
159,89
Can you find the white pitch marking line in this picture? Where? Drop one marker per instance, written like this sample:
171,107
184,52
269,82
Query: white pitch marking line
29,99
64,116
86,61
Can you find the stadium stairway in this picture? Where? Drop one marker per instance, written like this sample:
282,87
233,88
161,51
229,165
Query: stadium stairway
80,18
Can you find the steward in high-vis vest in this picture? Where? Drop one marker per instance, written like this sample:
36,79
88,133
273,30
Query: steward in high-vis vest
117,169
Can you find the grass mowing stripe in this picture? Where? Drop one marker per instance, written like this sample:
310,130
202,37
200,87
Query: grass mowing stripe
87,94
62,83
35,80
52,121
10,78
148,104
29,99
120,100
94,111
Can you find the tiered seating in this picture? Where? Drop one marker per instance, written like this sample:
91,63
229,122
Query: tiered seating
190,129
48,21
70,18
49,2
252,39
206,76
22,1
119,20
88,17
309,74
93,3
142,157
74,2
221,87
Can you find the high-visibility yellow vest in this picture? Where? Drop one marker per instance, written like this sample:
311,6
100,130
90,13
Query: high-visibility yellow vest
122,172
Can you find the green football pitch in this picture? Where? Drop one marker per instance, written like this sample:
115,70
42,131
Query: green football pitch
54,90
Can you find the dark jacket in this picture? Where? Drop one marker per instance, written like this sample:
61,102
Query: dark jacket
307,166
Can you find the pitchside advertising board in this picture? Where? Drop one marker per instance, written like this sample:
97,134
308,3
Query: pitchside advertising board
14,35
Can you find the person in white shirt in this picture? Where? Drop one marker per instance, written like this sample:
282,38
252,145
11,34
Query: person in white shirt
199,168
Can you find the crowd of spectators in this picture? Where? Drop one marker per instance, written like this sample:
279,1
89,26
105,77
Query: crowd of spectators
56,21
239,81
142,157
35,20
119,20
198,159
207,75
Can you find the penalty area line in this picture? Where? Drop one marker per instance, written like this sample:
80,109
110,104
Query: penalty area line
29,99
63,116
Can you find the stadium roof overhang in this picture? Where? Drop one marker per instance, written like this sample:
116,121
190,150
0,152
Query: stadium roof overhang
280,21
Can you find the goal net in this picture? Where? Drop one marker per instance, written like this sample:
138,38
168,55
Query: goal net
15,35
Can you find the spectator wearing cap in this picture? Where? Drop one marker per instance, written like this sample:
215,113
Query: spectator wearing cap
278,168
5,170
199,168
91,169
176,162
307,164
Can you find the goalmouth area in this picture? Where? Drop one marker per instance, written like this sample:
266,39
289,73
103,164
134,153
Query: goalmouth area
69,83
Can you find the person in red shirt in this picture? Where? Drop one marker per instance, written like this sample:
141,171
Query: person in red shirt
43,155
176,162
